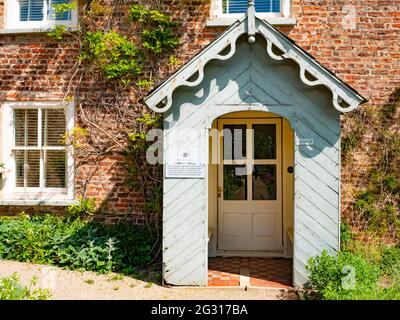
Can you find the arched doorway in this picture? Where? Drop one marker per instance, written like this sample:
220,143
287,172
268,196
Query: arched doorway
250,197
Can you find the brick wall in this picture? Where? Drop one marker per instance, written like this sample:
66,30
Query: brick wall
366,53
366,56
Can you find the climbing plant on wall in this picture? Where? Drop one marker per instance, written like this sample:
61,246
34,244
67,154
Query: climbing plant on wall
122,49
373,134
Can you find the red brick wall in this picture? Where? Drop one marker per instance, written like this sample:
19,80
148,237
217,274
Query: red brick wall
367,57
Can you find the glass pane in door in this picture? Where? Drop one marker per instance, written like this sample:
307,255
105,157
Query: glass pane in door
264,141
235,182
234,141
264,182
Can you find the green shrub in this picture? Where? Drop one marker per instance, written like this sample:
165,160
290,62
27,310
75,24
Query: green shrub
345,235
390,262
11,289
85,207
350,142
347,276
75,243
391,293
365,201
351,276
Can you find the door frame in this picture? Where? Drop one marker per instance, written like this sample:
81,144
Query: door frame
249,159
287,185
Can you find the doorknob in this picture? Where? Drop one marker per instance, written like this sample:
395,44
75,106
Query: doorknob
219,192
290,169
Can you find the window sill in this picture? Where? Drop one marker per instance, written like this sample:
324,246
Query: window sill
276,21
50,202
33,30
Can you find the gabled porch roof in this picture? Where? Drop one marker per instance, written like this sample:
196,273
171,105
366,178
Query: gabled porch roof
344,97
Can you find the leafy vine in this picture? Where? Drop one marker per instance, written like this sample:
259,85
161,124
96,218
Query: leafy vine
121,50
374,135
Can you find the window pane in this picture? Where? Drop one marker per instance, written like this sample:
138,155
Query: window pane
19,119
26,127
31,10
234,141
264,141
66,15
55,162
32,127
19,168
27,165
53,127
264,182
235,182
240,6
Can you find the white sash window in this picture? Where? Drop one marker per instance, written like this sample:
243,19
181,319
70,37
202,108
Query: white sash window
266,8
38,161
37,14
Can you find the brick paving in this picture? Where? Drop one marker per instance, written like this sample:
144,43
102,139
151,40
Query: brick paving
264,272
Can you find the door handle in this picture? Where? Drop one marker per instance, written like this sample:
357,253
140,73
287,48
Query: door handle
290,169
219,192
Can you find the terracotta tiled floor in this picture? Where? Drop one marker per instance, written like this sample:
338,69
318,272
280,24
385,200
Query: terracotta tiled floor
263,272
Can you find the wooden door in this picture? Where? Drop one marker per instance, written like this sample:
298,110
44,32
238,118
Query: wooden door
250,184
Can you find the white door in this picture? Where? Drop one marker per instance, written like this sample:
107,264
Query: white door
250,184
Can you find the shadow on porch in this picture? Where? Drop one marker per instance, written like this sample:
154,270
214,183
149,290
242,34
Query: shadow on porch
250,272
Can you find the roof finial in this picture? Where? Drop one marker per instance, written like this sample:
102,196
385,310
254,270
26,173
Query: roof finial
251,21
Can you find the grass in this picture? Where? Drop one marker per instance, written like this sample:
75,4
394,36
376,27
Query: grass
116,277
89,281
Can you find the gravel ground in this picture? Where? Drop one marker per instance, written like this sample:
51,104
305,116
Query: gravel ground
75,285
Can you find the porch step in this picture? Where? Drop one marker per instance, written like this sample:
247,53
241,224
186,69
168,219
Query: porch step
246,253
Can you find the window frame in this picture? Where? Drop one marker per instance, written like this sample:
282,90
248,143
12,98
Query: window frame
217,11
12,21
10,190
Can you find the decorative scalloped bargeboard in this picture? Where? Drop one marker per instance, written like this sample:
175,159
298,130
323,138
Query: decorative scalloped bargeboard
344,98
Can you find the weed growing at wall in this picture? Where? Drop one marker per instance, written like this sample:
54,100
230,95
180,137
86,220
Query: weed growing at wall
361,270
12,289
376,205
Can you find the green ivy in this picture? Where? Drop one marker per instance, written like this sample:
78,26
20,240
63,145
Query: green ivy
160,35
60,8
114,54
154,17
58,32
158,40
145,84
117,57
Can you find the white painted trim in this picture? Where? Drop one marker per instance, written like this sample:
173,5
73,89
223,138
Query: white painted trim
34,30
276,21
8,190
13,202
217,11
160,99
12,24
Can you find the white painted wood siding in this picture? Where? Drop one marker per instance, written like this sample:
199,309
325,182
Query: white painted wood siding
250,80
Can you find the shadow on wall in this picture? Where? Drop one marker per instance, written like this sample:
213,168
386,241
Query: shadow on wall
251,80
